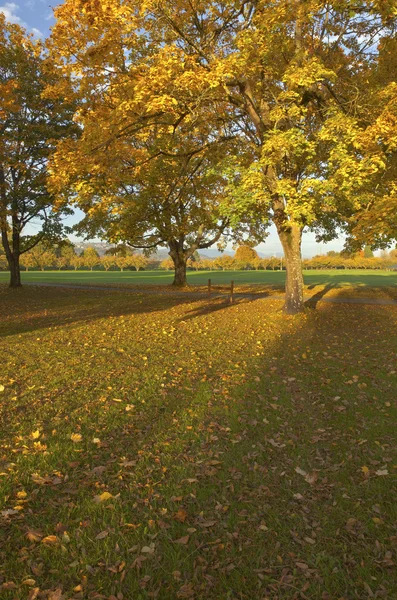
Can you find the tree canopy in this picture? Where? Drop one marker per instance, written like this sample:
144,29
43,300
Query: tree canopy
30,126
301,86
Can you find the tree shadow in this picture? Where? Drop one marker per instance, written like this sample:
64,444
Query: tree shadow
36,308
313,300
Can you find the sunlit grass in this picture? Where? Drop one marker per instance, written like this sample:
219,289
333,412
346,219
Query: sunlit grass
339,278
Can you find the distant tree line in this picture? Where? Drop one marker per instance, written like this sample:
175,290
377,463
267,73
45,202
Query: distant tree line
63,256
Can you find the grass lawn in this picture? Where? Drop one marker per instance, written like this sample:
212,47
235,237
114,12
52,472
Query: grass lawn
159,447
332,277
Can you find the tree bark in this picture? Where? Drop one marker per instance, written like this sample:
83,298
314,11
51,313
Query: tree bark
12,256
290,235
179,260
15,271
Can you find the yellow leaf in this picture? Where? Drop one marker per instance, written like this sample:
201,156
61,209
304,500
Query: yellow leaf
103,497
50,540
76,437
2,388
22,494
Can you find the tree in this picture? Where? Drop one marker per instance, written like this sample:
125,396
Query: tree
28,261
173,198
77,262
90,258
257,263
225,262
108,261
208,264
138,261
30,125
66,251
245,256
40,257
368,252
61,262
298,82
124,262
167,264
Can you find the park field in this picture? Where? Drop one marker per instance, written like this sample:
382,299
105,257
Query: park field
169,447
330,277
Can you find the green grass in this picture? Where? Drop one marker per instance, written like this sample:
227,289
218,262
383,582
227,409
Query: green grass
323,277
249,455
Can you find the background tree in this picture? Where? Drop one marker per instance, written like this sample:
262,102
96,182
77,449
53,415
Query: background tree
77,262
30,125
138,261
108,262
225,262
208,264
167,264
172,198
41,256
245,256
67,251
27,261
61,262
90,258
124,262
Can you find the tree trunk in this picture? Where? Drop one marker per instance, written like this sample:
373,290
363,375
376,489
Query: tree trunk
15,271
13,256
179,261
291,238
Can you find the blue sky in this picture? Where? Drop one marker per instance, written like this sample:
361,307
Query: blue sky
37,16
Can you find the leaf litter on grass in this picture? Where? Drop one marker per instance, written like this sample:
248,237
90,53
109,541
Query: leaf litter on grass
239,471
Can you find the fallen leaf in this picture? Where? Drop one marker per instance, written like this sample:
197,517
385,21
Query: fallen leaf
180,515
76,438
102,535
103,497
309,540
33,593
183,540
8,512
34,535
186,591
207,523
50,540
381,472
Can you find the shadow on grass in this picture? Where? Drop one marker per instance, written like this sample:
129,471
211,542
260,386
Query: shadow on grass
313,301
213,462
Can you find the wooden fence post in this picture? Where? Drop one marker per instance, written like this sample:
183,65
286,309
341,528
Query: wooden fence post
231,291
209,288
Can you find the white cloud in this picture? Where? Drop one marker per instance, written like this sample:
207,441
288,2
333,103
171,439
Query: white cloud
9,10
37,32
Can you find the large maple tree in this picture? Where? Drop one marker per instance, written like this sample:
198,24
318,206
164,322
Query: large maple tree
297,81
